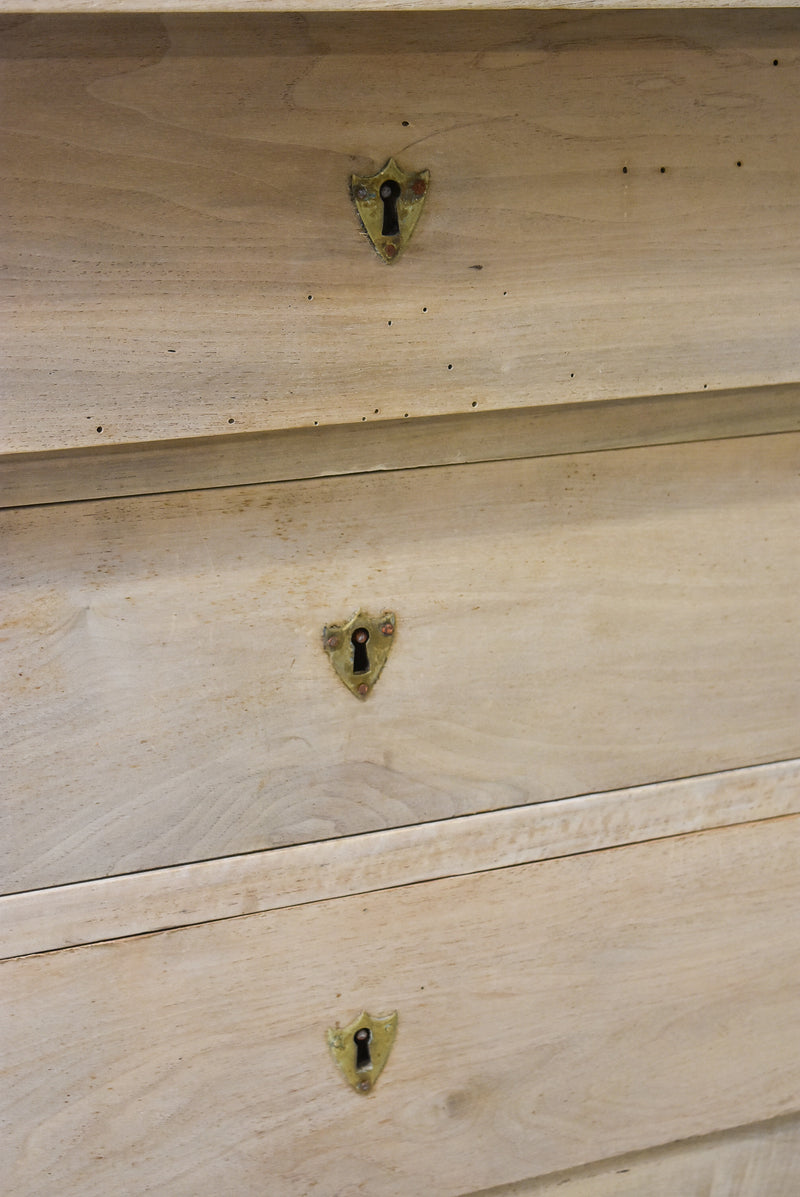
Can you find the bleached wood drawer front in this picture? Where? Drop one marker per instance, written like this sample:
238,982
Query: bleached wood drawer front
559,439
565,625
549,1015
612,212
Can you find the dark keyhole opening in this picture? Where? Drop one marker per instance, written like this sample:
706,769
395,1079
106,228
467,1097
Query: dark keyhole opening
360,657
389,193
362,1040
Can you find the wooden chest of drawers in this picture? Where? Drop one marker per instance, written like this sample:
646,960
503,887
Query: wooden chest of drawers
558,439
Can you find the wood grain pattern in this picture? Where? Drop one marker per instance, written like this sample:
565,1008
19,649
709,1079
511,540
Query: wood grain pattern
202,462
751,1161
311,6
566,625
176,190
112,907
550,1015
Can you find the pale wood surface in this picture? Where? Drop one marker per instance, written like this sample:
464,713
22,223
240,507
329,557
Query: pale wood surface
176,188
751,1161
565,625
153,467
549,1015
108,908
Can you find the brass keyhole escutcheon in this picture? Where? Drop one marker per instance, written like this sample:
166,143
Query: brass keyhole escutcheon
389,204
361,1049
358,649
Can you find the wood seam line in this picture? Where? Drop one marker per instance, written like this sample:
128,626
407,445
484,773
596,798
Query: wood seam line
289,455
209,891
347,7
289,479
372,889
633,1158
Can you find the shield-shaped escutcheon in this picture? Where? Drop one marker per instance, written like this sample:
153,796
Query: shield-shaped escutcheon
361,1049
389,205
359,648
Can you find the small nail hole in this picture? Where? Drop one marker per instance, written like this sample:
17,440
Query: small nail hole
99,427
424,309
450,366
405,124
774,62
738,164
231,420
663,170
474,402
309,297
624,170
389,323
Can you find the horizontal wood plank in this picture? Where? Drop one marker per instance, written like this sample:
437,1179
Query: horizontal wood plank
158,467
565,625
750,1161
64,916
549,1015
612,213
312,6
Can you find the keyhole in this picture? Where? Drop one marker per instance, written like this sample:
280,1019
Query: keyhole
360,658
389,193
362,1040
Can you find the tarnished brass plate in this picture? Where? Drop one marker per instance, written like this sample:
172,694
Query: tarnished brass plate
358,649
389,205
361,1049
